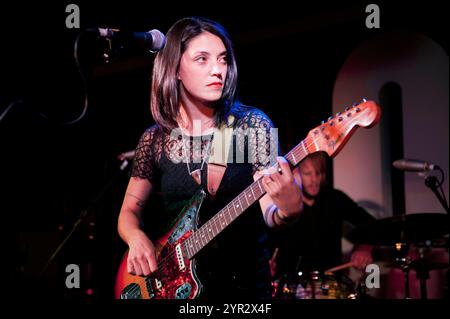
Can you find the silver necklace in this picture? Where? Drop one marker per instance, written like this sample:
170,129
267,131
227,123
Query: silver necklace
197,174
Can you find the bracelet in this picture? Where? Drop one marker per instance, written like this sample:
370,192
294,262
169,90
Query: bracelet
285,220
268,216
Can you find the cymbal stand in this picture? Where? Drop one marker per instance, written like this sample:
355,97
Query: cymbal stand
422,272
404,261
405,268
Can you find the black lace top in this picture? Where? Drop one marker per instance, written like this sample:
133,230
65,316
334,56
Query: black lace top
236,261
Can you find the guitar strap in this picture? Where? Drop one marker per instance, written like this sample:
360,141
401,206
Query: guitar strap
218,159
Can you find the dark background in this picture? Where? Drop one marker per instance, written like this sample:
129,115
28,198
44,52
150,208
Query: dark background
288,58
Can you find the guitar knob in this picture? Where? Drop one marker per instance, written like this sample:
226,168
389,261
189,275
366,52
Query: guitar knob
338,113
330,118
322,122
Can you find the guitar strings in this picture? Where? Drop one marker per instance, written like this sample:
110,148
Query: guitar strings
214,221
170,255
292,153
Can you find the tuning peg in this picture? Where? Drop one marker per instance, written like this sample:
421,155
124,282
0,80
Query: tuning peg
347,108
363,100
354,104
322,122
330,118
338,114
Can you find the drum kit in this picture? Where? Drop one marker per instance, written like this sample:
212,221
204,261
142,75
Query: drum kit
315,285
399,234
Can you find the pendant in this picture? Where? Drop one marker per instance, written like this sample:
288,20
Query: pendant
197,176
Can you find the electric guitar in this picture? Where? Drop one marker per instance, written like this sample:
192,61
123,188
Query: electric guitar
176,250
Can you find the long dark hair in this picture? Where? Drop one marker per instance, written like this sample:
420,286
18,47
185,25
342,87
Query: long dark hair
165,104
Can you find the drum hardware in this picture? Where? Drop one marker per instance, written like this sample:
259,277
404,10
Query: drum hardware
314,285
400,232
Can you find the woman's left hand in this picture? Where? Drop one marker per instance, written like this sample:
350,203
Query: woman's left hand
284,188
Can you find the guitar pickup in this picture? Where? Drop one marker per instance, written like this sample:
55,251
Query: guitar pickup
180,258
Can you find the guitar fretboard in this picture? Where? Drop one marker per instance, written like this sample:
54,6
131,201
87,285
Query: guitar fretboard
244,200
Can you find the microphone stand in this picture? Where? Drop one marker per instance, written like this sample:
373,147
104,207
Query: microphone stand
433,183
82,216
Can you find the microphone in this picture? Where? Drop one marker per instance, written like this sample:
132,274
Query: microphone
153,40
411,165
126,155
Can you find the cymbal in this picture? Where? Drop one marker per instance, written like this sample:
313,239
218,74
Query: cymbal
409,228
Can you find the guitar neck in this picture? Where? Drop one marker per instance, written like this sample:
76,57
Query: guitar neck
244,200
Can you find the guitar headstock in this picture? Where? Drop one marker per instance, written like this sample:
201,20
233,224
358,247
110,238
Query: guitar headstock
332,135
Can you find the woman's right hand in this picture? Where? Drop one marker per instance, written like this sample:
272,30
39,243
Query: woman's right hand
141,255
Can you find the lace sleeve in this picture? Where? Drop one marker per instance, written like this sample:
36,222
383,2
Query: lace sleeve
262,139
144,159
